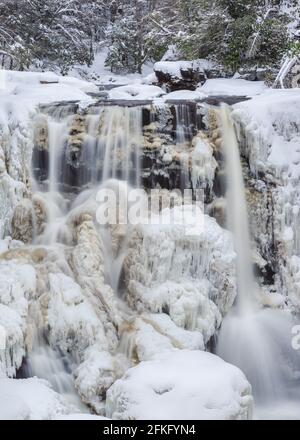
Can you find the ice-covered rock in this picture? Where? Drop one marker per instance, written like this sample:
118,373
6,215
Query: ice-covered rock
181,385
17,283
22,224
269,133
184,269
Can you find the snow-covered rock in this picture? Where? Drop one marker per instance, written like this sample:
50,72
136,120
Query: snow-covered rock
30,399
185,268
181,385
269,133
232,86
17,284
136,92
180,75
73,323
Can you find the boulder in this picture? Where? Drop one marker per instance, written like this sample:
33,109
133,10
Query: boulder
179,75
181,385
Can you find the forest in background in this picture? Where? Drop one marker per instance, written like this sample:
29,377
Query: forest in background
58,34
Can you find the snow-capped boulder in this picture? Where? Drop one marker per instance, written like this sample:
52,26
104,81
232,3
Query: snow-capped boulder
179,75
98,371
17,283
136,92
181,385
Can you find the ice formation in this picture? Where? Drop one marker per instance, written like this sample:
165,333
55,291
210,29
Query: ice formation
63,275
189,277
269,128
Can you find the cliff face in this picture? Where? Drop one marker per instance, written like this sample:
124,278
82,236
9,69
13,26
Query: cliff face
269,137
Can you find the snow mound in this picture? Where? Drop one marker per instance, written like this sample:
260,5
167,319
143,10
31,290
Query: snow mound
272,128
136,92
17,283
184,95
73,324
175,68
181,385
30,399
232,87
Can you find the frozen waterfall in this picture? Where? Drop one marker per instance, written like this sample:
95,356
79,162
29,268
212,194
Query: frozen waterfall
257,340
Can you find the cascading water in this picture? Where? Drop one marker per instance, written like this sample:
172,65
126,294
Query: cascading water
184,134
104,146
237,217
255,339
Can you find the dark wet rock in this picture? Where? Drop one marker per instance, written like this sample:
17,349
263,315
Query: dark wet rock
98,95
121,103
179,76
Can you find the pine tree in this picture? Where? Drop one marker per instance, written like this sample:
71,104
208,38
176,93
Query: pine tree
48,34
126,36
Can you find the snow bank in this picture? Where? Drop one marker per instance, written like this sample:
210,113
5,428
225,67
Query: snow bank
181,385
174,68
234,87
136,92
17,284
184,95
269,133
272,126
30,399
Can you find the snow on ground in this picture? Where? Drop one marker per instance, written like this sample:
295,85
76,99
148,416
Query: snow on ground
136,92
30,399
20,95
213,87
101,75
80,417
181,385
272,122
32,88
185,95
232,86
174,68
17,284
